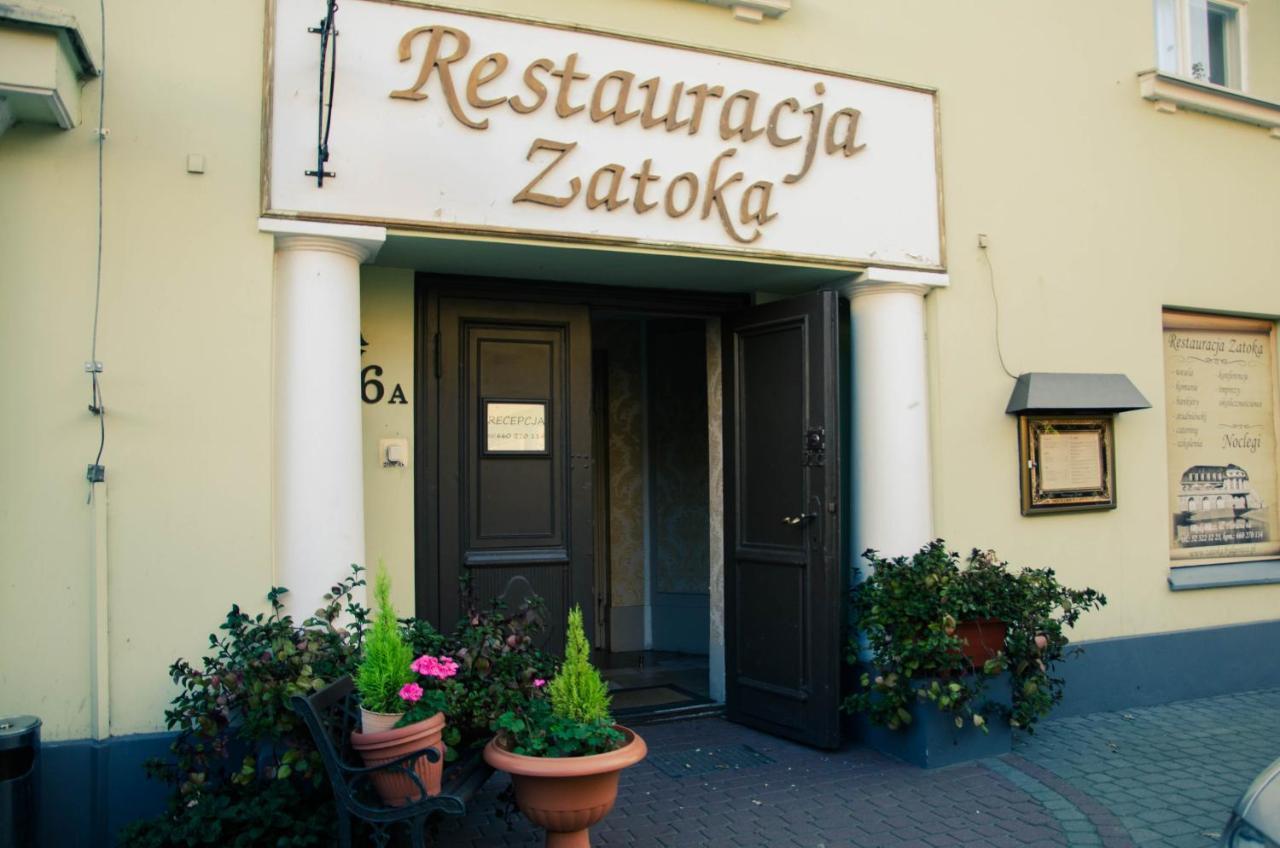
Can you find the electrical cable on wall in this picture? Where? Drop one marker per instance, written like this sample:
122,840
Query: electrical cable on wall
991,275
96,473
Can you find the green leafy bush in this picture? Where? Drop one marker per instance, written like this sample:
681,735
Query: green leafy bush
244,772
536,731
572,719
498,664
1038,610
385,668
908,609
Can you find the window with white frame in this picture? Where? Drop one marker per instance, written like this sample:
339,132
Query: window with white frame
1203,40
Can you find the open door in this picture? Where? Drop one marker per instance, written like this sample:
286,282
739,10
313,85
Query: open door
784,581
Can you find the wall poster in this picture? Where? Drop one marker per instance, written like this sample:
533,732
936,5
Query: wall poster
1220,409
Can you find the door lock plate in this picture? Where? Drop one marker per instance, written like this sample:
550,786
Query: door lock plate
815,446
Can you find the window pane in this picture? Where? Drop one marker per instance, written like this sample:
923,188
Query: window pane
1218,20
1167,36
1199,38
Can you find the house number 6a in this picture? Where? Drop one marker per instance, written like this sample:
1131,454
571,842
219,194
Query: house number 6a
373,390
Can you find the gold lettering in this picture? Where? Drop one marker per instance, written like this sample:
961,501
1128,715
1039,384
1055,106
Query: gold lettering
611,201
567,76
746,129
434,59
847,145
774,115
815,129
535,86
647,119
701,94
761,215
715,197
619,108
485,71
643,180
527,194
669,200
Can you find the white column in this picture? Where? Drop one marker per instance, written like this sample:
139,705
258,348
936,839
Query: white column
318,480
891,475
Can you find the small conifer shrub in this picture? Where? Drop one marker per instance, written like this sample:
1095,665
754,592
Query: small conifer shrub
577,692
572,719
387,664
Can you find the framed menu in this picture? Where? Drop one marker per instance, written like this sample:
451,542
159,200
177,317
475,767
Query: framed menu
1067,461
1220,412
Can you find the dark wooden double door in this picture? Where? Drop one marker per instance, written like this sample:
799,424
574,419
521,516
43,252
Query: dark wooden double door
506,523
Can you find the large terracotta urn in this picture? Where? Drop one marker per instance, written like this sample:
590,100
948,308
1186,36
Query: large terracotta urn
982,639
566,795
397,788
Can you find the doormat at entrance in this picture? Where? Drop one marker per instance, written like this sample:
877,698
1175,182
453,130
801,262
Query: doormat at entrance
695,762
646,698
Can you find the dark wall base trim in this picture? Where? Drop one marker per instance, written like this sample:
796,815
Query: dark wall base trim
103,781
1183,577
1139,671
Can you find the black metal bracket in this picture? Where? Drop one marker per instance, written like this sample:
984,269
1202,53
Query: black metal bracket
328,61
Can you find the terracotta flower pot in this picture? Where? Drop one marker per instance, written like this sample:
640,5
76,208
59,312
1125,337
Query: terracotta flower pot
394,787
566,795
983,638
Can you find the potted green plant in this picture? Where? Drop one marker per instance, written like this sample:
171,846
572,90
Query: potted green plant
403,704
563,750
1038,611
957,647
385,667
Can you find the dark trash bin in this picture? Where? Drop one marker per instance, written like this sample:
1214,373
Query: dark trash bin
19,781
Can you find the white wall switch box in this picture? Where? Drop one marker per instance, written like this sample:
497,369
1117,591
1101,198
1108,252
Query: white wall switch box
394,453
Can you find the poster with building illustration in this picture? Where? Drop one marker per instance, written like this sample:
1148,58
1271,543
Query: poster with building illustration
1220,396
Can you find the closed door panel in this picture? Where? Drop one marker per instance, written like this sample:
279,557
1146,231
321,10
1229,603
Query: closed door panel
513,483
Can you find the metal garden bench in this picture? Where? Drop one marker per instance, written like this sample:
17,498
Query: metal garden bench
331,714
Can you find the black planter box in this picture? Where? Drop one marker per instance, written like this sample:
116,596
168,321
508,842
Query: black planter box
933,740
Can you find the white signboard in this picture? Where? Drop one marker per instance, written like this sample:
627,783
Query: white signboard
1071,462
515,427
464,122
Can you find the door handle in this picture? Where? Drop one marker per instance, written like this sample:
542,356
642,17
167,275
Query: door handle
794,520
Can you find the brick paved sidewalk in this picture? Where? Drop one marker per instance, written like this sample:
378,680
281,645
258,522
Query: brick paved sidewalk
1169,774
1156,776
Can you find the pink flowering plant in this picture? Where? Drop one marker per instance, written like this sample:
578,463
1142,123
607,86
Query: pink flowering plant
434,690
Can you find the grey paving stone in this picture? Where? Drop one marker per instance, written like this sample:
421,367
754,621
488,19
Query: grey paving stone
1163,777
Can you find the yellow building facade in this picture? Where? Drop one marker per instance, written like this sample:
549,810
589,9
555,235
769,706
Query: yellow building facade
1089,179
